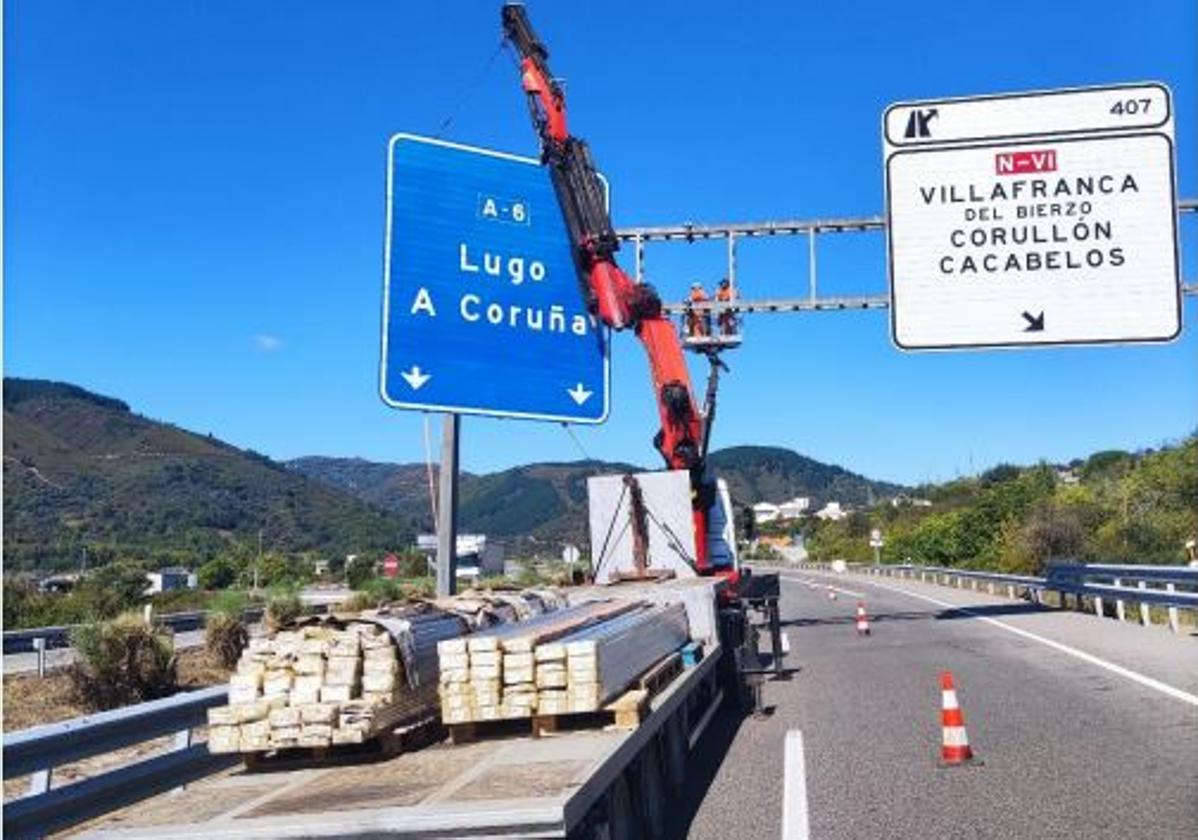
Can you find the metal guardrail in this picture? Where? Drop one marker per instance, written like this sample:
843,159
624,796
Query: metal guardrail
1078,580
59,636
39,750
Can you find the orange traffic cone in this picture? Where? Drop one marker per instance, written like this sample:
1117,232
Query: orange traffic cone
955,749
862,620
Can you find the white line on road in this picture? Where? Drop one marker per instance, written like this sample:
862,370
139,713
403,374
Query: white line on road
1134,676
795,579
794,789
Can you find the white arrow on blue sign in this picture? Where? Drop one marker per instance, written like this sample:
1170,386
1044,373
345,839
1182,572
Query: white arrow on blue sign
482,310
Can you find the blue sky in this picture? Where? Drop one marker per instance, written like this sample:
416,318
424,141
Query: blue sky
193,198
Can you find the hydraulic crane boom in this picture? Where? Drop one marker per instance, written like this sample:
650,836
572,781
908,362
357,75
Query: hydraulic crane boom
611,296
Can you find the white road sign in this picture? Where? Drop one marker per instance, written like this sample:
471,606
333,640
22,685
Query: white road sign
1033,219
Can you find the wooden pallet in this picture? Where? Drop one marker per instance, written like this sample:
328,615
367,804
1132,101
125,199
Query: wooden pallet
622,714
661,674
379,747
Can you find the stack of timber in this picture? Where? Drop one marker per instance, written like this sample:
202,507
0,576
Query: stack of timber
587,669
488,608
492,674
334,680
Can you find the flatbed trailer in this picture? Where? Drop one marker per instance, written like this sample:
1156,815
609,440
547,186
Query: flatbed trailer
581,783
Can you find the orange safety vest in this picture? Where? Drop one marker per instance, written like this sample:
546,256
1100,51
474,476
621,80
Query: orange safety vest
698,295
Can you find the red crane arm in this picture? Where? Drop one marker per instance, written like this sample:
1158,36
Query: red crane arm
611,295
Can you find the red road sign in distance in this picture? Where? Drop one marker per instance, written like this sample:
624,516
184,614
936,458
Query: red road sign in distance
1018,163
390,566
1032,219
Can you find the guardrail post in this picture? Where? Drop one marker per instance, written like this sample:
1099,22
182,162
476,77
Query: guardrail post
182,741
1119,607
1145,615
39,782
1174,622
39,647
1011,591
990,587
1098,606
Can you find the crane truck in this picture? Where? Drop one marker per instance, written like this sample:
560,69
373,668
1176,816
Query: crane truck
588,783
621,303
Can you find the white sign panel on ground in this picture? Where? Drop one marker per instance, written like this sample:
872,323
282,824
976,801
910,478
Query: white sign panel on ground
1033,219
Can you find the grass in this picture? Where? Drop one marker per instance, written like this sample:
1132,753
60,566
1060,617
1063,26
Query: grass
30,701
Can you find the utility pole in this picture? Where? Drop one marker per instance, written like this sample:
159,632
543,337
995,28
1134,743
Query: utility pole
447,510
258,562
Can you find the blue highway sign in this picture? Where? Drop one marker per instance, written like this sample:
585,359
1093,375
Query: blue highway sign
482,312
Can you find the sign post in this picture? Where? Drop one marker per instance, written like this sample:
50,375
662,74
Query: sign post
447,509
1042,218
876,543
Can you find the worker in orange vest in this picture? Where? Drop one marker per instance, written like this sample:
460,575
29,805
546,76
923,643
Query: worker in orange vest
727,319
698,324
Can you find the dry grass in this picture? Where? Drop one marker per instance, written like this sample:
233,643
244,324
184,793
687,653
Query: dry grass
30,701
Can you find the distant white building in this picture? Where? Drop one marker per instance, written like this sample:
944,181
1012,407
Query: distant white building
475,556
795,508
901,500
832,511
1067,476
764,512
170,579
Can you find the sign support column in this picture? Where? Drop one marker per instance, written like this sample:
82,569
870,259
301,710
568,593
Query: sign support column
447,510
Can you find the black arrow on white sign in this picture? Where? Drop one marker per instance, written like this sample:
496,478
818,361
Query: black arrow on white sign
1035,323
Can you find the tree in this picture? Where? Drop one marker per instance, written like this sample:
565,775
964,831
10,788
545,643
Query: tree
358,571
111,589
218,573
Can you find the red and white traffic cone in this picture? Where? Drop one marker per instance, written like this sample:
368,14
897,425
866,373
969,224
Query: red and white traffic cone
862,620
955,748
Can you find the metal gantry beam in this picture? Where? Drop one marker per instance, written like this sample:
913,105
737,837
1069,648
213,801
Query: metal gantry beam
811,228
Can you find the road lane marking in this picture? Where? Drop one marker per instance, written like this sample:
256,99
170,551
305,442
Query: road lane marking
794,789
812,583
1134,676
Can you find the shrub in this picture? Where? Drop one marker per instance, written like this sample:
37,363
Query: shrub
218,573
359,572
233,601
225,636
122,661
282,607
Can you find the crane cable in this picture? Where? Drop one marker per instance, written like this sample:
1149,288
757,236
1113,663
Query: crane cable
475,83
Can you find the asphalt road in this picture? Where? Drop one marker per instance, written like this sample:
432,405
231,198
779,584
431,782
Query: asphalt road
1084,728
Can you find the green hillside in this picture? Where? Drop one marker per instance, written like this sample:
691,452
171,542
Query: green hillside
83,472
1113,507
548,501
773,474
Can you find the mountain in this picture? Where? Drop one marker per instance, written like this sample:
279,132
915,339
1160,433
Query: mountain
542,502
548,501
83,471
401,487
773,474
